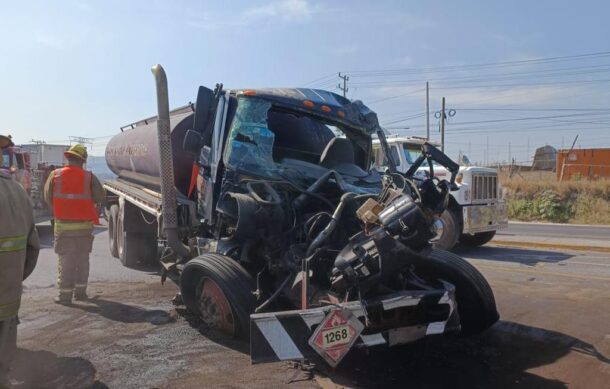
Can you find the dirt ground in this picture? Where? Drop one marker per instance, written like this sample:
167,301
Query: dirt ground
130,336
554,333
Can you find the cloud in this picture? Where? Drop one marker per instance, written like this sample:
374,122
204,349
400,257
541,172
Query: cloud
281,10
287,10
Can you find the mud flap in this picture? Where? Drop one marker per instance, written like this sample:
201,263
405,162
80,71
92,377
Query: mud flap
279,336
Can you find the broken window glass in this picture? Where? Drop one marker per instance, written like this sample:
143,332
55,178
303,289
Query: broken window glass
250,144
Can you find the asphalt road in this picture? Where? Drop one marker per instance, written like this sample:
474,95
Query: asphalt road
556,230
553,332
103,267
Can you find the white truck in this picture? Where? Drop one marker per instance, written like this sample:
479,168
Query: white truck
476,210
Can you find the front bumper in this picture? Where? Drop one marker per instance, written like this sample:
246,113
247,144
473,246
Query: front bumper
278,336
481,218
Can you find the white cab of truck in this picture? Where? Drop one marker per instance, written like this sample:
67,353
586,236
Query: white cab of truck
476,211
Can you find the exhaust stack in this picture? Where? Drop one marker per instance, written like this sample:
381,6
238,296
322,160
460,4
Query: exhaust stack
166,166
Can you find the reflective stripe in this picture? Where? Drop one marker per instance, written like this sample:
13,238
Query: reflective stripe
62,225
13,243
9,310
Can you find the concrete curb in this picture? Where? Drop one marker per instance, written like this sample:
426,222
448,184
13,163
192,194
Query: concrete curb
516,222
510,243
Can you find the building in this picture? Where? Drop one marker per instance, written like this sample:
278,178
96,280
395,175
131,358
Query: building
45,154
583,163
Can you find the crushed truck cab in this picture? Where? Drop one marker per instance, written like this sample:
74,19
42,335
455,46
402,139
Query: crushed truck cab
277,228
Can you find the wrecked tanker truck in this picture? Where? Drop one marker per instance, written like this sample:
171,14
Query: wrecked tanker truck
277,228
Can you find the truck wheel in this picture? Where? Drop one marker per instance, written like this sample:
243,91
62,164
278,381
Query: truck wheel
113,217
450,234
478,239
136,247
219,291
475,299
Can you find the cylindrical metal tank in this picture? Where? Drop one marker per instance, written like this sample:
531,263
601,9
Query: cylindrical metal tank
133,155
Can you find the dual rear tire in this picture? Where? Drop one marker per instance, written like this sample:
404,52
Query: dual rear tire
130,248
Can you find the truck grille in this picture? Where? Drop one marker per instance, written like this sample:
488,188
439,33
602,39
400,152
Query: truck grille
484,187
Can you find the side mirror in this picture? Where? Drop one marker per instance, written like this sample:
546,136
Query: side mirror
192,142
204,113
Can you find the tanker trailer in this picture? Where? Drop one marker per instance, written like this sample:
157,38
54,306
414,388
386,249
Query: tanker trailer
134,198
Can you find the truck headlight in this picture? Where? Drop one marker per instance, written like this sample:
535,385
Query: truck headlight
467,195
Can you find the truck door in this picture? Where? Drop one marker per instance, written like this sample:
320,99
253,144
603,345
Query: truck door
211,155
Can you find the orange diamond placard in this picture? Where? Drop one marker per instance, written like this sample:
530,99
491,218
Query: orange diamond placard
336,335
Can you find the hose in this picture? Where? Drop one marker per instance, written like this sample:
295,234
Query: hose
274,295
330,227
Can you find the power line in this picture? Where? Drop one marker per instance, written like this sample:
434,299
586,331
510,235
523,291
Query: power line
486,65
317,80
395,96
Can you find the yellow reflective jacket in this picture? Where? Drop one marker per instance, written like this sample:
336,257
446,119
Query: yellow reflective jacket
19,244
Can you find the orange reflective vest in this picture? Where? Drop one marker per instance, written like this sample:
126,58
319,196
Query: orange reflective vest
72,198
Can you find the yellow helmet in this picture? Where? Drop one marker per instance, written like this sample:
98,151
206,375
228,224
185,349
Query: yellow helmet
5,141
78,151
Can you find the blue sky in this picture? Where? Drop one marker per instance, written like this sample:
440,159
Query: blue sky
82,67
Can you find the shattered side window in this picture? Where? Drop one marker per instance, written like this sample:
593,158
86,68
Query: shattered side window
250,143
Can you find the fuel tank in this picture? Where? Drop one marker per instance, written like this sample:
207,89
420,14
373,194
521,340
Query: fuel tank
133,155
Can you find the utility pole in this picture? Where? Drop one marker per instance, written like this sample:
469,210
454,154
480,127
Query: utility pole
443,125
427,110
566,157
344,88
487,151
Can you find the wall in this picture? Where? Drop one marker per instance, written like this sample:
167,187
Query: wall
583,163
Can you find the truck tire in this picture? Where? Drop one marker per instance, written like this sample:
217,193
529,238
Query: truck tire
475,300
113,217
219,291
136,247
478,239
451,233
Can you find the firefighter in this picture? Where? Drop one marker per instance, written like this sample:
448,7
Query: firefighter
73,193
18,255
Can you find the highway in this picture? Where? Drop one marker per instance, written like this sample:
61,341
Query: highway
570,231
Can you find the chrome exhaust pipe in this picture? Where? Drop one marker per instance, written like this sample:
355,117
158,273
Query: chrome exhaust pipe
166,166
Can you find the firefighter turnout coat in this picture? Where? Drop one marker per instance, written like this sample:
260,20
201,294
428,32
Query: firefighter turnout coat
19,244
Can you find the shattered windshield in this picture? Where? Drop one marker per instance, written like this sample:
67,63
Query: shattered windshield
250,144
265,139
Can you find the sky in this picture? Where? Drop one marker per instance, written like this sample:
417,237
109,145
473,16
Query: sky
519,74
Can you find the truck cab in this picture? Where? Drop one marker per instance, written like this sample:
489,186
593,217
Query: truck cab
476,208
18,162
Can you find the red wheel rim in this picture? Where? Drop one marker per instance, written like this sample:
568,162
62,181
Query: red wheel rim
214,308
